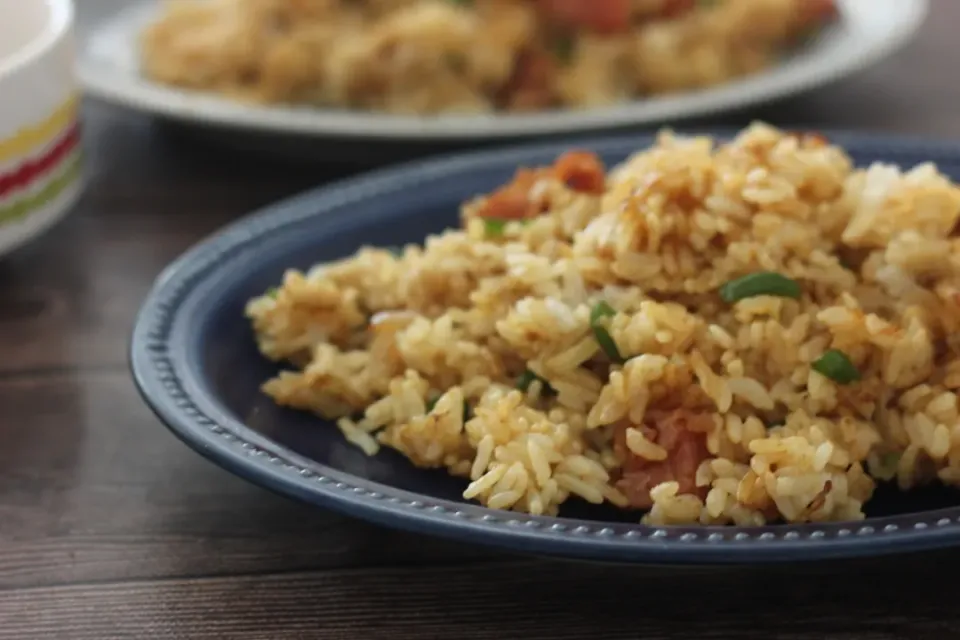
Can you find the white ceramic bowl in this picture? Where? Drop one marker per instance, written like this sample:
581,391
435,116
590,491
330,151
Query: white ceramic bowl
40,153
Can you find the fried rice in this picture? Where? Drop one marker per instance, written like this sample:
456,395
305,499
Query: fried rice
468,56
744,332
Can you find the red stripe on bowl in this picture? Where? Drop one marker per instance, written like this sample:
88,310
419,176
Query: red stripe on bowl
28,172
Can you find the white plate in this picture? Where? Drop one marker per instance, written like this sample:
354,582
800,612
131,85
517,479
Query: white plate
869,31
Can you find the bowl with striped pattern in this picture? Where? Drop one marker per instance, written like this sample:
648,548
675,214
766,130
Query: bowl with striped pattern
40,155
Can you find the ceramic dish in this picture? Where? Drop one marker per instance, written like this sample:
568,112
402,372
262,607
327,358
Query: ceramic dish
196,364
39,129
868,31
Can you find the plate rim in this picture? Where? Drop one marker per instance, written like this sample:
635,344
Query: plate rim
166,383
781,81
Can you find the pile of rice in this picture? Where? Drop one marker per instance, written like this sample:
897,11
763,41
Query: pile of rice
468,56
479,352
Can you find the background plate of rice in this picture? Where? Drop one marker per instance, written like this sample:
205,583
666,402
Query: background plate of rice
195,362
868,31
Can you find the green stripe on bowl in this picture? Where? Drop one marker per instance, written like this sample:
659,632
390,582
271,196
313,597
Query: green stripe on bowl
23,207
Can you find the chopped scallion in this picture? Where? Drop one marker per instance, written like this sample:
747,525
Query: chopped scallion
886,466
890,459
764,283
493,227
837,366
600,311
527,378
432,404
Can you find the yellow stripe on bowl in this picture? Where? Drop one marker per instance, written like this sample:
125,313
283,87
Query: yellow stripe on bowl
26,140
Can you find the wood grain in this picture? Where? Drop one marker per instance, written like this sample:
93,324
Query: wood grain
110,528
524,599
93,489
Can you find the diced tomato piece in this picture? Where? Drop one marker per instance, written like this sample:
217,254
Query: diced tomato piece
524,179
676,8
813,138
600,16
816,12
507,204
512,201
531,86
683,434
581,171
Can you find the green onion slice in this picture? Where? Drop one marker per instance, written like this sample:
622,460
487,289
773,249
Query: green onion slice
467,412
493,227
886,467
837,366
764,283
600,311
527,378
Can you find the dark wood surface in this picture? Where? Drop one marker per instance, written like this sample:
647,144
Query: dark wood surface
110,528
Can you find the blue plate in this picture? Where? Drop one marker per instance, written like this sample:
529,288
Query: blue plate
196,364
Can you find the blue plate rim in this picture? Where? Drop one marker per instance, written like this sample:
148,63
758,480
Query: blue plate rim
167,384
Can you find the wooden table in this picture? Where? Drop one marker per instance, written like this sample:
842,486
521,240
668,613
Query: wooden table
110,528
